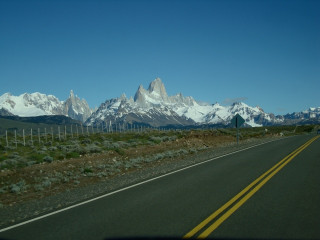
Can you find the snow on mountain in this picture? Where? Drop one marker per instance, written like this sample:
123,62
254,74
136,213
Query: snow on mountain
37,104
150,106
34,104
153,106
76,108
309,113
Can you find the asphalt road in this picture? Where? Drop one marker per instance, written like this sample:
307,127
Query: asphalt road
283,204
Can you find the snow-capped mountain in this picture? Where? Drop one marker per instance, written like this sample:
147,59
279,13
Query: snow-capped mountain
309,116
153,106
76,108
37,104
150,106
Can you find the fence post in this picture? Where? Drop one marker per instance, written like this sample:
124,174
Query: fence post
51,135
39,135
24,138
65,132
31,138
15,138
77,130
71,132
59,133
7,138
45,134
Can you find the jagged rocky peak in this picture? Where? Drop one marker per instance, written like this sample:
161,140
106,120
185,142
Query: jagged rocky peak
123,96
260,108
71,94
155,95
157,86
237,104
76,108
139,96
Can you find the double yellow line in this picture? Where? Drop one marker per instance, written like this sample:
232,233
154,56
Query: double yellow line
242,197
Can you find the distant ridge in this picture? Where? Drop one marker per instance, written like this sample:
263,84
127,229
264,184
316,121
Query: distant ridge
46,119
52,122
38,104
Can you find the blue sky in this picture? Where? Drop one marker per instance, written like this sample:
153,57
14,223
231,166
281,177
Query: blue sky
264,53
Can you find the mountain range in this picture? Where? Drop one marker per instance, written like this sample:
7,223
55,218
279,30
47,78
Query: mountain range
152,107
37,104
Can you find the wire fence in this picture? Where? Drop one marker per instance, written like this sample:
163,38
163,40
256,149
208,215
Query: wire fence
43,135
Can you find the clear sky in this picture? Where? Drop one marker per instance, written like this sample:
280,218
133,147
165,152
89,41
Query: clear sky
264,53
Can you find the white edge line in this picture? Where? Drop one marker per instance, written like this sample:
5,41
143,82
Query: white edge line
132,186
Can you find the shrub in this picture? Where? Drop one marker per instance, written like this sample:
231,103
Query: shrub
156,140
159,156
36,157
18,187
38,187
120,151
61,156
41,152
4,156
46,183
14,155
86,141
172,138
9,163
87,170
30,163
183,151
4,189
53,148
8,148
193,150
15,189
137,160
48,143
92,148
72,155
115,145
48,159
43,148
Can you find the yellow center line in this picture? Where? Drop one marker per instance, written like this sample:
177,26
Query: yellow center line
276,168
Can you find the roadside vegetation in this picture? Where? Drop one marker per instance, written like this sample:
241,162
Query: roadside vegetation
33,168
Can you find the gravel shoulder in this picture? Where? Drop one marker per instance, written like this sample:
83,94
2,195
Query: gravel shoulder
15,213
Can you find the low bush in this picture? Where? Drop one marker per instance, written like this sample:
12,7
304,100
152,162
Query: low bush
48,159
120,151
72,155
92,148
18,187
36,157
87,170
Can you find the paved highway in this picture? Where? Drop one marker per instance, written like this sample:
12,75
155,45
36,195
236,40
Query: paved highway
271,191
